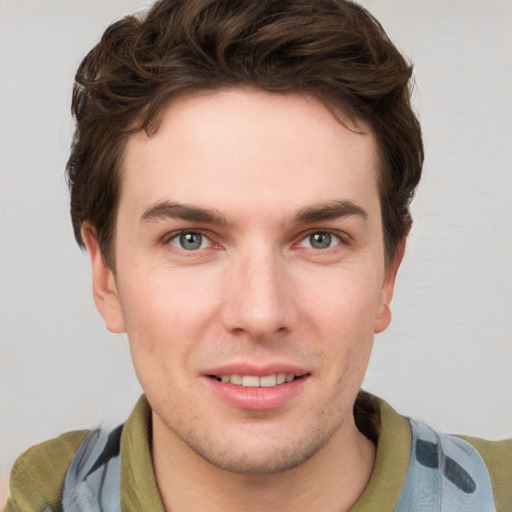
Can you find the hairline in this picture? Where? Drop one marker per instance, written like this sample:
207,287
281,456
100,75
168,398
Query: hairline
151,125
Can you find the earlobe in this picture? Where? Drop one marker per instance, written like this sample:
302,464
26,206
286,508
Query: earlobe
384,315
103,283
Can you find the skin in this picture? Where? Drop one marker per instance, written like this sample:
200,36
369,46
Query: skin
256,291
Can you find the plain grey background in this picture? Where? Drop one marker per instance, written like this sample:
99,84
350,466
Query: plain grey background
447,357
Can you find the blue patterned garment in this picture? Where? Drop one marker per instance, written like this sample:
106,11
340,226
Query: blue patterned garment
445,474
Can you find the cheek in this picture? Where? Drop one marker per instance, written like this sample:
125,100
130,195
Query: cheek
166,311
346,302
160,339
342,319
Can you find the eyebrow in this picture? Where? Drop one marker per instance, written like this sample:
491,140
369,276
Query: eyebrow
329,211
307,215
172,210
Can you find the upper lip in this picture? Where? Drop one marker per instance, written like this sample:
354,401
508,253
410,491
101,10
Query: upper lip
257,370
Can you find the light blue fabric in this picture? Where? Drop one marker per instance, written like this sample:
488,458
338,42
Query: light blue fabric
93,478
445,474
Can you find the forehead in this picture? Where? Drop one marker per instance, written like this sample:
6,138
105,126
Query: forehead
236,149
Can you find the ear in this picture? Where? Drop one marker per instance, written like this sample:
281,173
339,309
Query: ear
384,314
104,286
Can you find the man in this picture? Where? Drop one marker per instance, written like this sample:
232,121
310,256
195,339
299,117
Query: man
241,177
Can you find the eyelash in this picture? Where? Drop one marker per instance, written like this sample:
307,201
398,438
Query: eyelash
176,234
344,239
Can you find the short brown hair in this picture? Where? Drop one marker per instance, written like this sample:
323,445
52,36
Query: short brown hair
332,49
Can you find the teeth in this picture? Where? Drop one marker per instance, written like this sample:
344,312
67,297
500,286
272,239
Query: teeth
235,379
253,381
268,381
250,381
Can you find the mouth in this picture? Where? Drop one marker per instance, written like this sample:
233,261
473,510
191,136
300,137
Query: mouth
248,387
255,381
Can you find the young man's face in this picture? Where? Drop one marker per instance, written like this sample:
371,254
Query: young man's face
248,251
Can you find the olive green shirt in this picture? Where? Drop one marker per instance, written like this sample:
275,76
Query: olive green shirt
38,475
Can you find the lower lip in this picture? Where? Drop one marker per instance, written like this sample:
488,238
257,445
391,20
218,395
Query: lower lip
257,399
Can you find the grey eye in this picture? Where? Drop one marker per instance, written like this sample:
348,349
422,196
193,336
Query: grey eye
189,241
320,240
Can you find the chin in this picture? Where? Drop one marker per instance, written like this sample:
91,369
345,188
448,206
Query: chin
245,455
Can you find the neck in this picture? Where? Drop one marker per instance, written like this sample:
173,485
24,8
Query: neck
331,480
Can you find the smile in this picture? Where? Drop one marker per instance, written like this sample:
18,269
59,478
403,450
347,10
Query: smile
258,389
253,381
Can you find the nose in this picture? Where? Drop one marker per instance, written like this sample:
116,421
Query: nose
259,296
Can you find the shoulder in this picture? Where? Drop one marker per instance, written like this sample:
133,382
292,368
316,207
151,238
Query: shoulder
37,476
497,456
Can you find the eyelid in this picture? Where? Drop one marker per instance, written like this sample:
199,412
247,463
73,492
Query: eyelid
166,239
344,237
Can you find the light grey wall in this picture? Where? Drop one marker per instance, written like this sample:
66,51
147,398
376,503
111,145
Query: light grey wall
447,357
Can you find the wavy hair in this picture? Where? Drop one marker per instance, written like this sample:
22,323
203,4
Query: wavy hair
332,49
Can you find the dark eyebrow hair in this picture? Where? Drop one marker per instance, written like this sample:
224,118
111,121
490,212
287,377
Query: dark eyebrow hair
306,215
169,209
329,211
